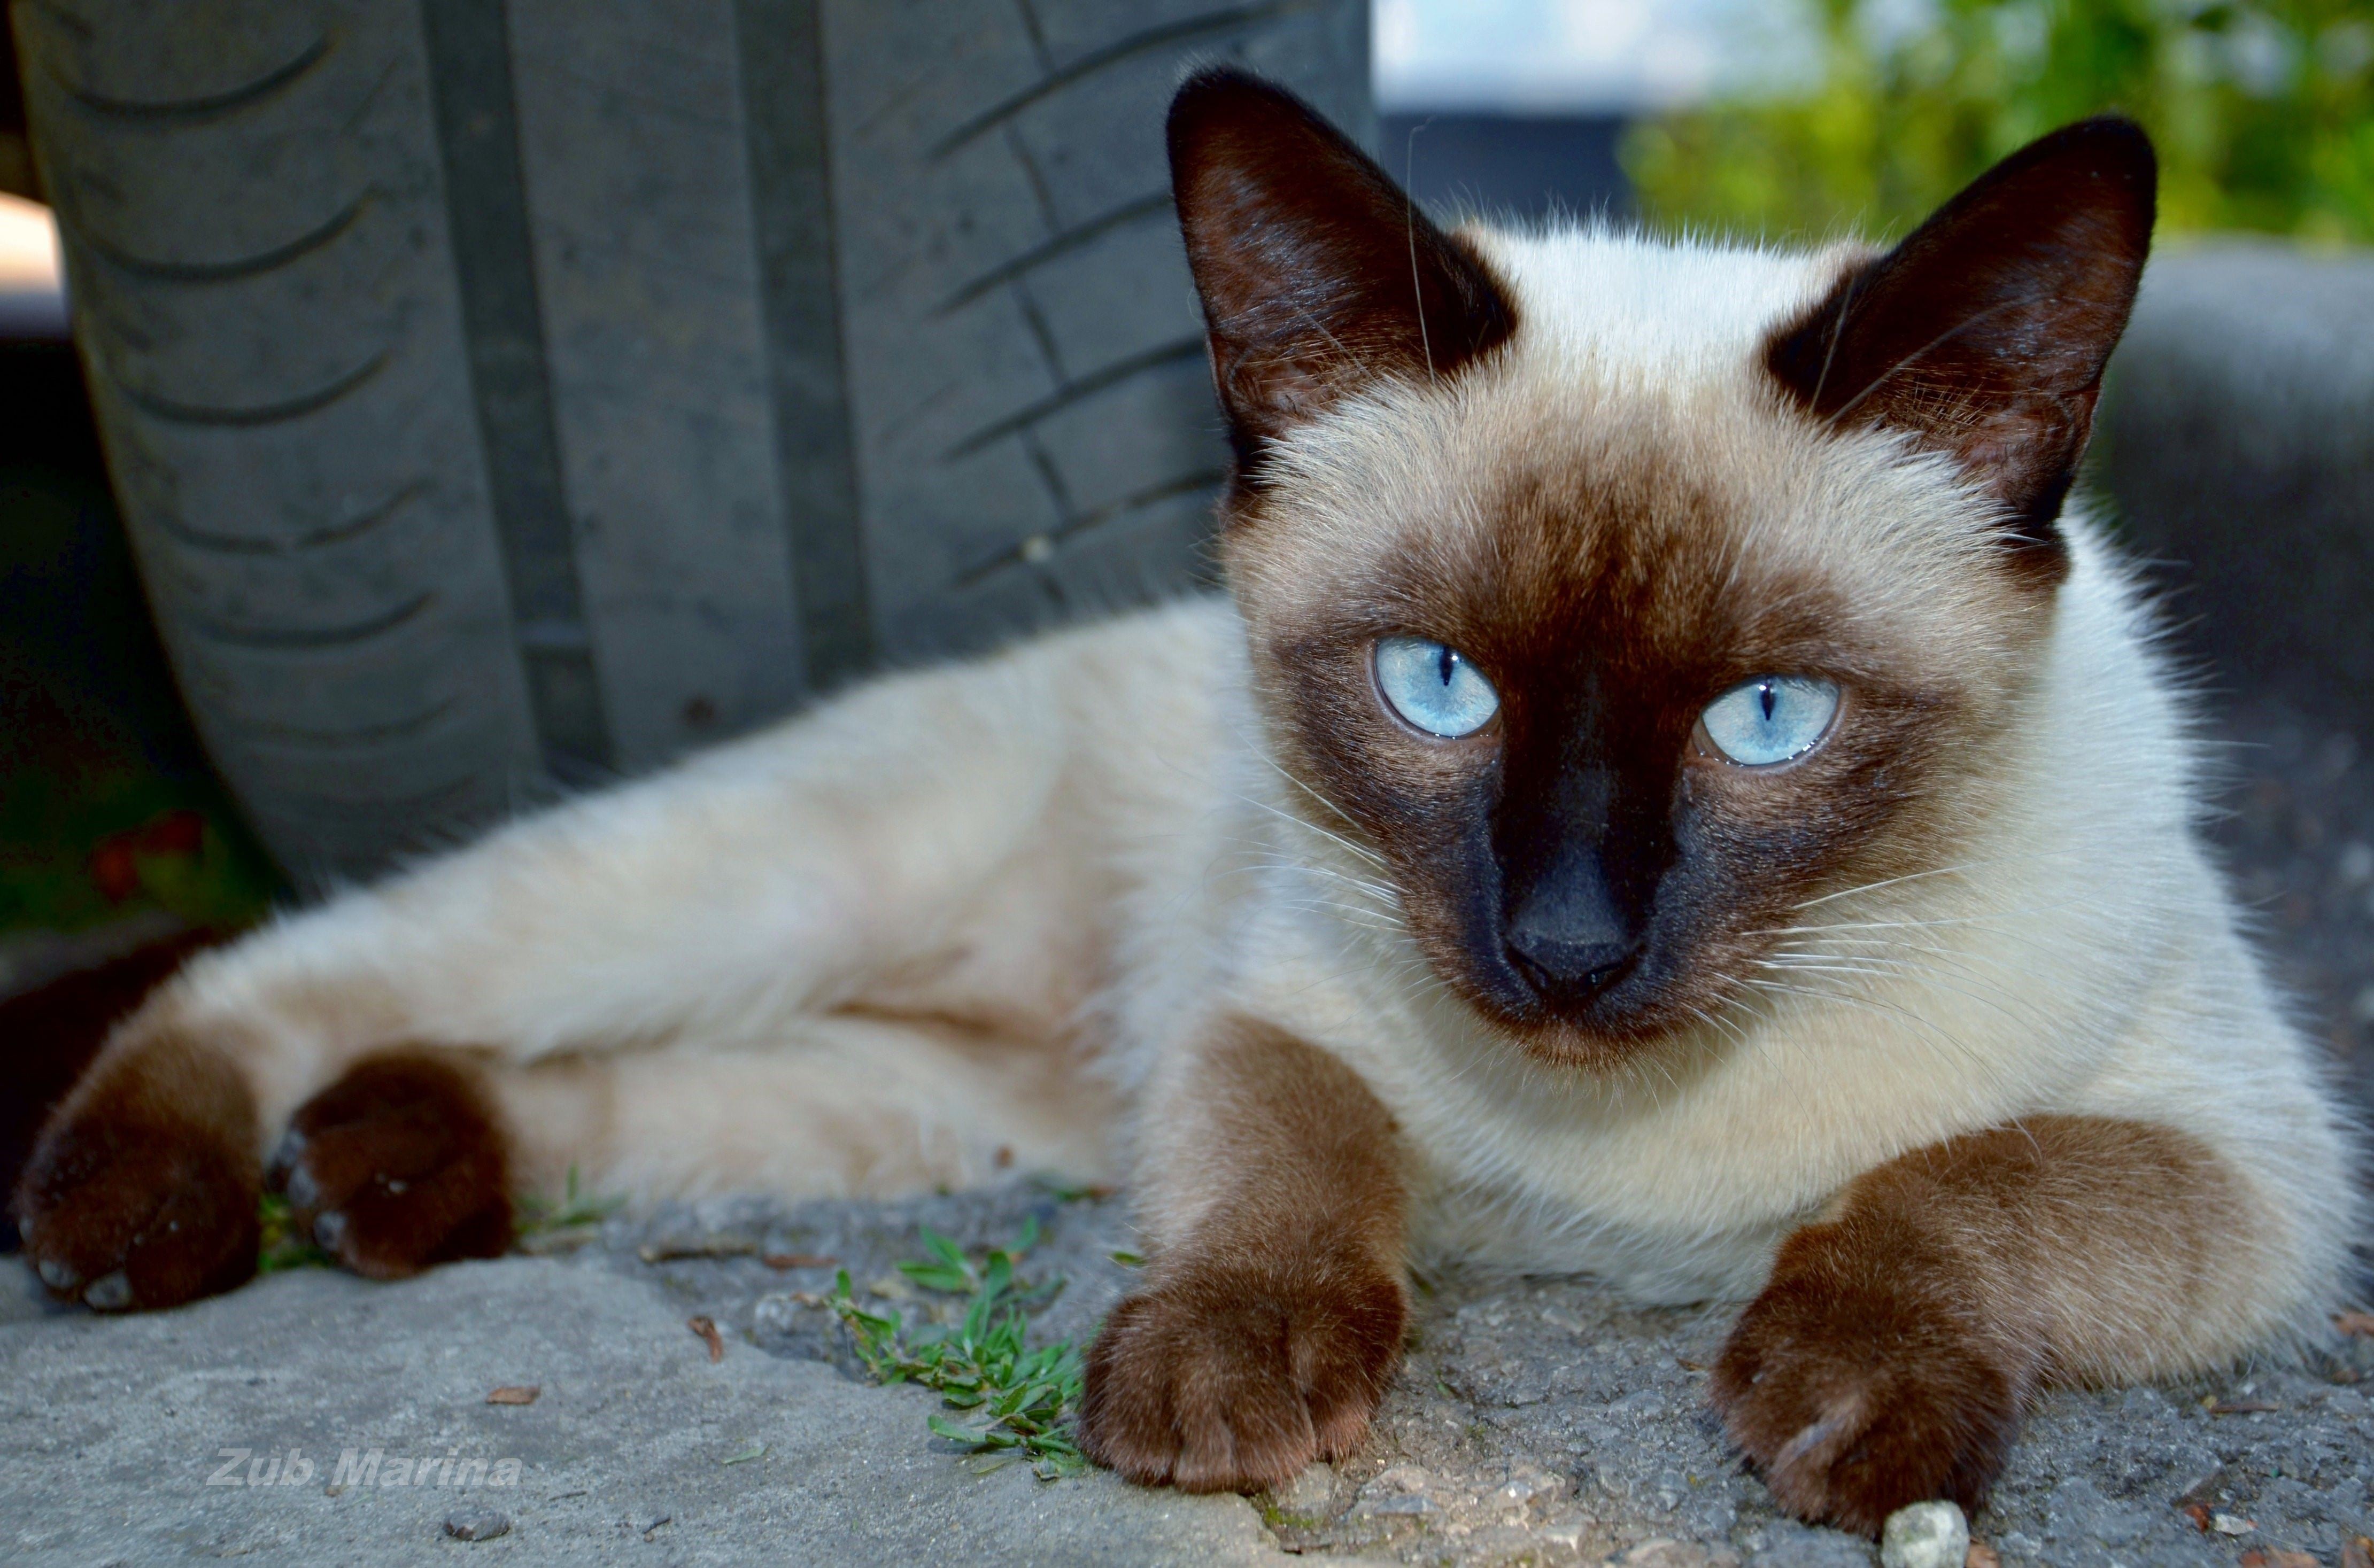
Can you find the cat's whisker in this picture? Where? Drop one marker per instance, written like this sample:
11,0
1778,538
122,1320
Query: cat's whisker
1336,839
1851,950
2011,1006
2008,917
1858,997
1961,960
1926,1033
1353,913
1731,1028
1381,899
1287,774
1274,862
1958,869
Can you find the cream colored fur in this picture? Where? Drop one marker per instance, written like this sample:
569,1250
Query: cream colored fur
982,914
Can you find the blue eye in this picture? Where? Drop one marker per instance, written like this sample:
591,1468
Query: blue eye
1771,719
1434,687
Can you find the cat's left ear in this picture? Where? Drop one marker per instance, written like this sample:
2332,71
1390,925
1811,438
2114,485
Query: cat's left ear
1319,275
1984,333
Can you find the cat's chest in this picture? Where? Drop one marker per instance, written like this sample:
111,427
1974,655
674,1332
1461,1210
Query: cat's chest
1671,1201
1676,1189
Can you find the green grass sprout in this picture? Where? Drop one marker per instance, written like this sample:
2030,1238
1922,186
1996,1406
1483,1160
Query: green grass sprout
284,1246
1016,1399
541,1216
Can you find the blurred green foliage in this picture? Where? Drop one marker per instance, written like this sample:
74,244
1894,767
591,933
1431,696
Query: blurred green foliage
80,847
105,808
2264,113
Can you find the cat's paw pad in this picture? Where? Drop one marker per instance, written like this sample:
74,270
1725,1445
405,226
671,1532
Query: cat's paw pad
1853,1395
141,1191
1232,1379
399,1164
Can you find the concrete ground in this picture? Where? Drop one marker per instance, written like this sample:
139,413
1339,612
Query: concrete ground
1537,1421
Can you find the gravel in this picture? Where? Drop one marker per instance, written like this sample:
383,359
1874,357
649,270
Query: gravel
1547,1421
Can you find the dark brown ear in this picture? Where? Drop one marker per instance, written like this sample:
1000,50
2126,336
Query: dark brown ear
1317,275
1985,333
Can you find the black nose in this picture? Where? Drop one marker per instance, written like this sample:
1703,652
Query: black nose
1565,970
1574,933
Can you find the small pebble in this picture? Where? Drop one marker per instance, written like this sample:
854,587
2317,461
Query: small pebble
1402,1504
777,1312
1925,1535
477,1523
1307,1495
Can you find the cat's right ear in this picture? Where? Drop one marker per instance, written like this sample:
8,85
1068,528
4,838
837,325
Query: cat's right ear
1319,275
1984,335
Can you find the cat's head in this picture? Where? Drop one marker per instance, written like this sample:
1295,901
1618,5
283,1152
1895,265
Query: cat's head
1627,597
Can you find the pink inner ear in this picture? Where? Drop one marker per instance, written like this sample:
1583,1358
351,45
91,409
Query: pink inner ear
1317,275
1985,332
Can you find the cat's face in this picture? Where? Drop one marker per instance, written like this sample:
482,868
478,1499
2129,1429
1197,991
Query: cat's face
1630,601
1618,592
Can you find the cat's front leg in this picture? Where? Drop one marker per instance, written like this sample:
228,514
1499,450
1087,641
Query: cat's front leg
1890,1357
1271,1320
142,1191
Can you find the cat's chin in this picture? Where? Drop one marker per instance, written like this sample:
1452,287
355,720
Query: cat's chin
1612,1045
1660,1007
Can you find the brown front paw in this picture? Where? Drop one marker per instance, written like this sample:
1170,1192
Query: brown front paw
1230,1378
141,1191
1862,1379
397,1165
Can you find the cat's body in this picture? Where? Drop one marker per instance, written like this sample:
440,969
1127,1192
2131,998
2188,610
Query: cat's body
1160,900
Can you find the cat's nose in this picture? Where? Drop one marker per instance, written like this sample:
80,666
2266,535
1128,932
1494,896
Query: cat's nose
1571,936
1566,970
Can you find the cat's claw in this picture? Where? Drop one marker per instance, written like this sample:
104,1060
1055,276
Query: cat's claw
108,1293
284,1161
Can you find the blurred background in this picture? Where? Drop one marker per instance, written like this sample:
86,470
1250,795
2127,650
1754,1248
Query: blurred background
469,403
1811,118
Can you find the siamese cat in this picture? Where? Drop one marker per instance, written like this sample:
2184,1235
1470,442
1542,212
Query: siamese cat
1677,791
